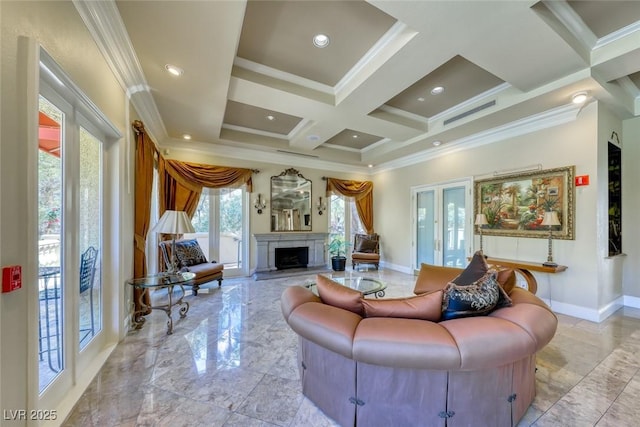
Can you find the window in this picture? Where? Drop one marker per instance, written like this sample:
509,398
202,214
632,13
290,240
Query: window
344,221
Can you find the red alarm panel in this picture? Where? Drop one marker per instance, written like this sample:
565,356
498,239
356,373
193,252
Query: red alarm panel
11,278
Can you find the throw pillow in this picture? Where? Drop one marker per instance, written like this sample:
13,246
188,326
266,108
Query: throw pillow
366,245
476,299
507,280
333,293
188,253
476,269
425,307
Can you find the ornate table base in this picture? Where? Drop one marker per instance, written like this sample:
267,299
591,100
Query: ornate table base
170,282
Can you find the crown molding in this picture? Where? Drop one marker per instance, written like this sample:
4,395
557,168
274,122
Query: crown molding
283,75
573,23
105,25
544,120
252,131
622,33
241,151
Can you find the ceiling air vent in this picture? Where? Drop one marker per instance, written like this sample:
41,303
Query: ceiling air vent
297,154
469,112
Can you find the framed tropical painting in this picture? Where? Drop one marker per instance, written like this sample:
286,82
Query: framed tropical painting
514,205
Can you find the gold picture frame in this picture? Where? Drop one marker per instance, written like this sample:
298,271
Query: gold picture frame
514,204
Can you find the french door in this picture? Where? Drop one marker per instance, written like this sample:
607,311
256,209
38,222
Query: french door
442,226
221,228
70,206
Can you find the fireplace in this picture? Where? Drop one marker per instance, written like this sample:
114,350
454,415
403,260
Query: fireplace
291,257
267,243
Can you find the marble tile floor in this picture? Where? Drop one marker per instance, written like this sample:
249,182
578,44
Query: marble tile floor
232,362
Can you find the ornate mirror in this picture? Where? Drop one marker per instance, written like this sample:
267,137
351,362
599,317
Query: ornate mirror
290,202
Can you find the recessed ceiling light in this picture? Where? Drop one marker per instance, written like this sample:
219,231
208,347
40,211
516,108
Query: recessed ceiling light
370,166
270,118
421,99
354,136
436,143
186,136
321,40
579,98
172,69
437,90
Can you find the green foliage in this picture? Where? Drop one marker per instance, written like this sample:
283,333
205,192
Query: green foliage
230,211
338,247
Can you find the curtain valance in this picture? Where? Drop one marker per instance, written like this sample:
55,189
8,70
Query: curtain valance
362,192
181,183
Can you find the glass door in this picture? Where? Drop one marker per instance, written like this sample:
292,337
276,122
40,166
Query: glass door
71,206
51,143
90,245
441,224
221,228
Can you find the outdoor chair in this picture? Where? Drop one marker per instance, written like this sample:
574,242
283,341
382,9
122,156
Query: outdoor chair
87,276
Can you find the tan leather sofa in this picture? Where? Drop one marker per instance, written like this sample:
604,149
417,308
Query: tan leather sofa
377,371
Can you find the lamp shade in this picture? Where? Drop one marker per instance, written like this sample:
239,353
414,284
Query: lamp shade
174,222
550,218
481,219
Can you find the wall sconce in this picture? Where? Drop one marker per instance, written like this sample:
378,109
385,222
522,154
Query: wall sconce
260,204
550,219
481,219
321,206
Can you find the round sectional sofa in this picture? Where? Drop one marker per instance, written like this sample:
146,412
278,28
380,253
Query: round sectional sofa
392,363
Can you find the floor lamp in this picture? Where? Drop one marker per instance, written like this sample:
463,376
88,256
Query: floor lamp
550,219
481,220
173,222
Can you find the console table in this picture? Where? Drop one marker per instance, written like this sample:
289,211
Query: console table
525,268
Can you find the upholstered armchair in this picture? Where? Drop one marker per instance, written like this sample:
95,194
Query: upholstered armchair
366,250
189,257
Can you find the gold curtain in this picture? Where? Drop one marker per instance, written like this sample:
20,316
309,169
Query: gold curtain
145,151
181,183
362,191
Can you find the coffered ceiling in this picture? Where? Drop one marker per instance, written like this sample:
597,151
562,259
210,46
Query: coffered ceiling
254,86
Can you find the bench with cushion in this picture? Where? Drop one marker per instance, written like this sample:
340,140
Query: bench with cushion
189,257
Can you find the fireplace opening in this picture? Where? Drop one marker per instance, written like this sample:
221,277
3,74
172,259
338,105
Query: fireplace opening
292,257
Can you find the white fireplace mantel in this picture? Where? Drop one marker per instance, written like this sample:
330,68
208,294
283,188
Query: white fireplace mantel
268,242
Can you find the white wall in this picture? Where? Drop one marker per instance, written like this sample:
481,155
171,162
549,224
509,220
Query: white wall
57,27
575,291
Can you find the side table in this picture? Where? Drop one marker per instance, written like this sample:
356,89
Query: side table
161,281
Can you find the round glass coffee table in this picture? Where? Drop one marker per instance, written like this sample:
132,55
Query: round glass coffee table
160,281
365,285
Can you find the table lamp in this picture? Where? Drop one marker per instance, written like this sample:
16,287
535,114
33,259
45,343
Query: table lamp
173,222
481,219
550,219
